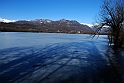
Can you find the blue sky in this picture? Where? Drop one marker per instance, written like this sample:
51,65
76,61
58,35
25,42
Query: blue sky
84,11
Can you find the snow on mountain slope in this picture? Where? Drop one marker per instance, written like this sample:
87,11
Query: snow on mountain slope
90,25
6,20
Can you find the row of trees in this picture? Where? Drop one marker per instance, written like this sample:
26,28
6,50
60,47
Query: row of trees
112,20
112,16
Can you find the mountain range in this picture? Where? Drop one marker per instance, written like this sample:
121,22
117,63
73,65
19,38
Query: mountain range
44,25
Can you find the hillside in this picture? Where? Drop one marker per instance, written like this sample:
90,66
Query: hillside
45,25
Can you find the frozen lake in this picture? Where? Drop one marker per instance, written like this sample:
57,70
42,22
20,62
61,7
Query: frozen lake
20,39
55,58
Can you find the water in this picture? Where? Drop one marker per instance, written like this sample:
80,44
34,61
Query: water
57,58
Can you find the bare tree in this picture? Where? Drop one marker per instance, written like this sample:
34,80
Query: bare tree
112,15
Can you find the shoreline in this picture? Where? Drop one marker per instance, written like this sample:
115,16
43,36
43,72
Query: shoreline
54,32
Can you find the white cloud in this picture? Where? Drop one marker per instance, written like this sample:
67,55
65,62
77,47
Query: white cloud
6,20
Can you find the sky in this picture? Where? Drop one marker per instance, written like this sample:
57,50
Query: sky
83,11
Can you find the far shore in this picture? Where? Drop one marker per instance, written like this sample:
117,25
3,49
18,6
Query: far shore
58,32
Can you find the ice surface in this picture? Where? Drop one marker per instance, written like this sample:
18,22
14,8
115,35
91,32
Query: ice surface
53,58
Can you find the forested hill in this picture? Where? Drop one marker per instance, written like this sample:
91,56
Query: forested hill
45,25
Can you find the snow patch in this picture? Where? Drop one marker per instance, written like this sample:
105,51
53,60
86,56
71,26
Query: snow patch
6,20
90,25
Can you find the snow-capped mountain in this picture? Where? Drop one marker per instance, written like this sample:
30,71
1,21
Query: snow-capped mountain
35,22
44,25
40,21
90,25
6,20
